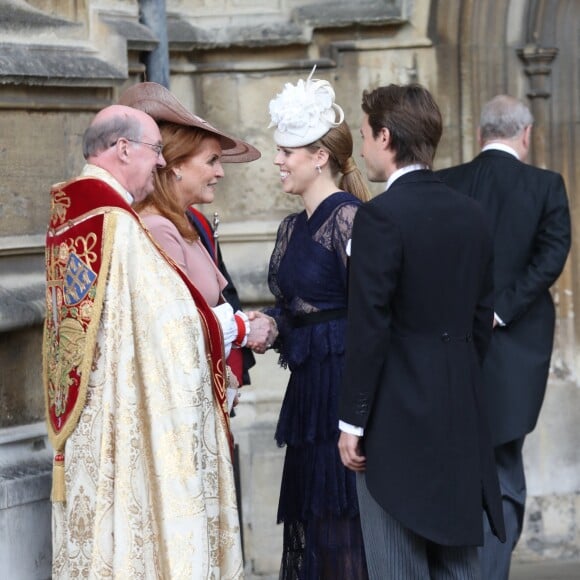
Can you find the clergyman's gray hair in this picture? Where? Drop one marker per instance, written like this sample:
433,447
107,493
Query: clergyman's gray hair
102,135
503,117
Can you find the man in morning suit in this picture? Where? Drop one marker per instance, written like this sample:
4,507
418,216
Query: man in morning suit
527,210
419,323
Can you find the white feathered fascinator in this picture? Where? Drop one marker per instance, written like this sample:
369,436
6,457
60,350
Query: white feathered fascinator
304,112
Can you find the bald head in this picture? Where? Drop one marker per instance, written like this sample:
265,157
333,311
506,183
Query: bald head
109,125
127,143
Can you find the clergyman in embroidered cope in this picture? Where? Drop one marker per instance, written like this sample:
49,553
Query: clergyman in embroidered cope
141,435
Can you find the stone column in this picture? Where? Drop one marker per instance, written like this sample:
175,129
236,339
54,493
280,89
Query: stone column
537,67
552,506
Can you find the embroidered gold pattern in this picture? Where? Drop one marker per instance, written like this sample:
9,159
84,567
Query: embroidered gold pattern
61,361
148,464
70,304
59,204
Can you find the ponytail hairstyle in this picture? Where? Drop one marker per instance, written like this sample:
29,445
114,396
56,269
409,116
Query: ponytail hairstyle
338,142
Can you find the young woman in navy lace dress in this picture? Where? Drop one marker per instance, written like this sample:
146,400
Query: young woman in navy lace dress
308,277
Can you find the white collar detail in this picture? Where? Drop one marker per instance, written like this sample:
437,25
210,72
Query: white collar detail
500,147
402,171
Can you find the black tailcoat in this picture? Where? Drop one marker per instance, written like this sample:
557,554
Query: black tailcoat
419,323
527,212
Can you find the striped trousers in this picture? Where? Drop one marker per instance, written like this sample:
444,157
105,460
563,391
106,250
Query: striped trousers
495,557
394,552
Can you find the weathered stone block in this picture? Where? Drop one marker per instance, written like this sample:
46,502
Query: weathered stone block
21,395
25,509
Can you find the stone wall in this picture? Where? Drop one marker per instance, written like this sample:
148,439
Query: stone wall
62,61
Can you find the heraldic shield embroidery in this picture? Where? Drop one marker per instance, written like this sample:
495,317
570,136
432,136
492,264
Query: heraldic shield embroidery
74,261
71,290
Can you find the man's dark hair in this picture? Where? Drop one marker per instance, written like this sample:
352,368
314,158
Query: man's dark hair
412,117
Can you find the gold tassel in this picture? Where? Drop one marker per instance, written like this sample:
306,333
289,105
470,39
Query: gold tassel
58,488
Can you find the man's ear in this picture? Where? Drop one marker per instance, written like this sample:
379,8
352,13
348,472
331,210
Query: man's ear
527,137
122,150
385,137
523,143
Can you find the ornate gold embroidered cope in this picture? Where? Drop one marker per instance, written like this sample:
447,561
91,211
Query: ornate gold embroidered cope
147,466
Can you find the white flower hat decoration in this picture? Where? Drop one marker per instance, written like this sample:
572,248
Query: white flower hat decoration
304,112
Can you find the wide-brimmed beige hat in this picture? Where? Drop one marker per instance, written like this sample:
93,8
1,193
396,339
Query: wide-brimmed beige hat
157,101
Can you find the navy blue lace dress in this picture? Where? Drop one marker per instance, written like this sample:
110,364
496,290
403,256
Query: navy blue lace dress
318,502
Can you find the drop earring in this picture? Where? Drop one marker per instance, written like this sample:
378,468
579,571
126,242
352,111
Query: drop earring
318,168
178,177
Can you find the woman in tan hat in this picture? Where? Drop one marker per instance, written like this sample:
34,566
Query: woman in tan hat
308,277
194,151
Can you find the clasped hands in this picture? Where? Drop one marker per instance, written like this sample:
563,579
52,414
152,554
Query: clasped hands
263,331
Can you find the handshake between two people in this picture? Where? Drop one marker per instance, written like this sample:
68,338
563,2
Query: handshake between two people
263,331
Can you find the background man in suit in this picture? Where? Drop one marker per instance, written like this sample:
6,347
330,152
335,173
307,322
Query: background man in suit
419,322
527,210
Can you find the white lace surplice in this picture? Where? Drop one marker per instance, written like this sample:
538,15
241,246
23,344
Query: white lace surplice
149,481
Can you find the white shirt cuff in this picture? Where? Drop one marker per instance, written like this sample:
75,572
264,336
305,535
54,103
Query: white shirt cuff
352,429
246,320
225,315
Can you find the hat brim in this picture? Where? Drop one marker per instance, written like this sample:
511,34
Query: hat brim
160,103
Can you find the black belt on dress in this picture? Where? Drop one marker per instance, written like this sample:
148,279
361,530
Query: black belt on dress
310,318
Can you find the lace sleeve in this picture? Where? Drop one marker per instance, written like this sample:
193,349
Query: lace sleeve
342,231
283,237
279,311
